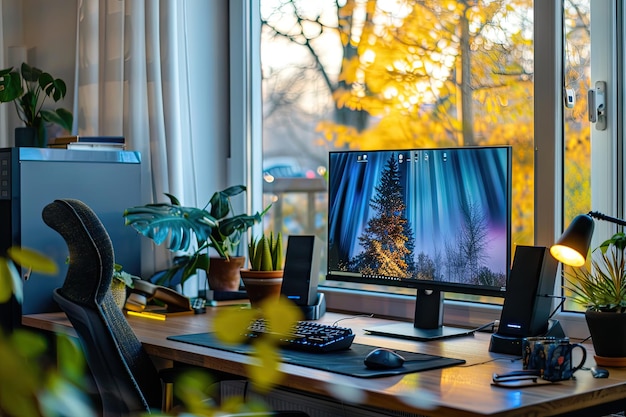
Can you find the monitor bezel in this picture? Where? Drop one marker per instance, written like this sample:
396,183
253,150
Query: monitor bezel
457,288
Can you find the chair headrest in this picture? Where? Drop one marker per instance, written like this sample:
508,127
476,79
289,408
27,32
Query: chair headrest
91,260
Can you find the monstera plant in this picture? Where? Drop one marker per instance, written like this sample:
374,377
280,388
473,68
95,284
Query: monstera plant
28,88
183,228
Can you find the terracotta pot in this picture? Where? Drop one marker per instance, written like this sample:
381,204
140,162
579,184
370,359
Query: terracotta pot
608,335
262,285
223,274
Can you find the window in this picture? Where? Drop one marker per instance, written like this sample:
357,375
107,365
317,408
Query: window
591,159
371,74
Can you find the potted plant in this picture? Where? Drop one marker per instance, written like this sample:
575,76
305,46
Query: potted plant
601,289
121,280
266,253
265,277
28,89
213,226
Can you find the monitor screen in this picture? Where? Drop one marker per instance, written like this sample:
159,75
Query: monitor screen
432,219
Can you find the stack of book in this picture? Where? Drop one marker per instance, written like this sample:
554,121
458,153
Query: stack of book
90,143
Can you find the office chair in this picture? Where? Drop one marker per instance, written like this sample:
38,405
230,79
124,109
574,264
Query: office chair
126,378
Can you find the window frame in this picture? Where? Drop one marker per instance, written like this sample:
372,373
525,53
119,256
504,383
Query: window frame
246,156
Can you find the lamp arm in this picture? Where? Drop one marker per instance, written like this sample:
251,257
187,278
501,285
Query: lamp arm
604,217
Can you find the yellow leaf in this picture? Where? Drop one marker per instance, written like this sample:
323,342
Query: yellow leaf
5,281
10,281
265,373
34,260
193,387
231,323
281,314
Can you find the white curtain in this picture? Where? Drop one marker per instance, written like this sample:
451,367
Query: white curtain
131,76
131,80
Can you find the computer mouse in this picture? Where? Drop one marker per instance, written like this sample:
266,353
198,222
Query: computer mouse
382,358
599,372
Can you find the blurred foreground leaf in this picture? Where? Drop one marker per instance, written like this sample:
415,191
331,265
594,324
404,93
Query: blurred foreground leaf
34,260
230,323
10,279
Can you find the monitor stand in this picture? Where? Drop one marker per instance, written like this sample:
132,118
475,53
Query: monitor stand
427,324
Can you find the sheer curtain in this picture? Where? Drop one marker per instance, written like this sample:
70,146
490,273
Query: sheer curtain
131,64
131,80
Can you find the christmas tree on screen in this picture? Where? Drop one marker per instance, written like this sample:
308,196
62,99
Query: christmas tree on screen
387,241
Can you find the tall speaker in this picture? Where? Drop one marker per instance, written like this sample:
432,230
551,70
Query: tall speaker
301,274
528,301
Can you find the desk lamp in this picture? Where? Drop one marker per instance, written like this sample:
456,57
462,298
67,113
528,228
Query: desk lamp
527,306
573,246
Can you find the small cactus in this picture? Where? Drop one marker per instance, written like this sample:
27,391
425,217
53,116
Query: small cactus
266,253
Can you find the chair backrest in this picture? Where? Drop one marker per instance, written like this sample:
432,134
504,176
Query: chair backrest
125,376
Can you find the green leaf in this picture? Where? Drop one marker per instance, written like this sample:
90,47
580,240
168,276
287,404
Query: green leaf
61,117
171,223
239,223
70,359
602,287
30,74
121,275
233,190
277,252
220,201
25,88
31,345
10,85
54,89
203,262
173,200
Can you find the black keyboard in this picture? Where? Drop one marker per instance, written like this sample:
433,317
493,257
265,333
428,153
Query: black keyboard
306,336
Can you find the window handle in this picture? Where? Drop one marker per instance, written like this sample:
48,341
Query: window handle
597,105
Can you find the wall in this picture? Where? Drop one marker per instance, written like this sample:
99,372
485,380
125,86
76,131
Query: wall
209,93
47,31
42,32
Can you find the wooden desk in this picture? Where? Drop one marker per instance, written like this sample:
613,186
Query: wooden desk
464,390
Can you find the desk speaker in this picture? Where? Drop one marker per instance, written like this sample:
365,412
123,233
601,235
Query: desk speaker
302,269
528,301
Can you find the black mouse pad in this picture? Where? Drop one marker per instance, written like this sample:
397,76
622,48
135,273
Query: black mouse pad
346,362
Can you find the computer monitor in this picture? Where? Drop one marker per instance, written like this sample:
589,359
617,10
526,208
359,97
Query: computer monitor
432,219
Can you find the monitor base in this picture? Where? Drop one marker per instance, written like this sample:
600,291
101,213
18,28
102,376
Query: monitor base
408,331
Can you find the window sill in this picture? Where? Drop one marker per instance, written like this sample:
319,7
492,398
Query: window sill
459,313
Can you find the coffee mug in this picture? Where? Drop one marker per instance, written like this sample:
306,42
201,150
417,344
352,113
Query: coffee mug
551,357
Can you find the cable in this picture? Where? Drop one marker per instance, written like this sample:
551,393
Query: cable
489,361
492,324
353,317
558,307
